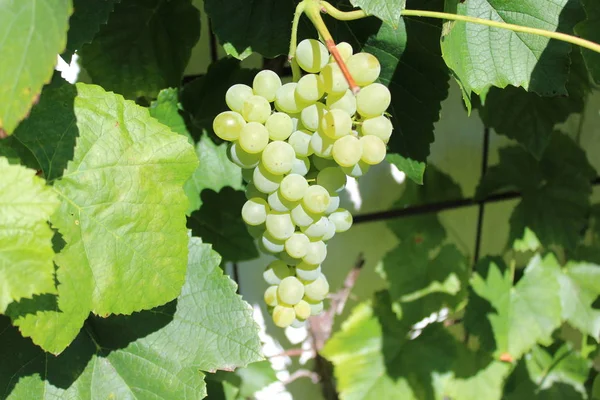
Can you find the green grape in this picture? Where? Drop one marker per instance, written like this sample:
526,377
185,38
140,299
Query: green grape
280,225
316,230
316,253
342,219
280,126
290,290
242,158
278,203
373,150
300,166
293,187
278,157
255,211
336,124
357,170
333,79
275,272
247,174
344,101
308,272
254,137
285,99
317,290
256,109
297,323
265,181
271,296
311,55
256,231
286,258
379,126
297,245
321,144
345,50
301,217
283,316
228,125
347,151
316,199
236,95
316,308
309,89
300,142
364,68
302,310
332,178
330,233
265,84
270,245
311,116
373,100
321,163
334,203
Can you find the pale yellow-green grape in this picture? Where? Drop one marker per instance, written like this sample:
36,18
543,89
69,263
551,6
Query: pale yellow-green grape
379,126
373,149
290,290
278,157
265,181
242,158
278,203
300,142
332,178
344,101
357,170
283,316
316,308
251,191
302,310
255,211
330,233
309,89
285,99
334,203
364,68
236,95
345,50
270,245
297,245
347,151
293,187
316,199
308,272
271,296
316,253
297,323
311,55
336,124
311,116
373,100
316,230
228,125
342,219
265,84
275,272
256,109
256,231
333,79
300,166
254,137
286,258
321,163
321,144
280,126
302,217
316,290
280,225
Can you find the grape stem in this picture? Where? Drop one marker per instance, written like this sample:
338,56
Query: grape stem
296,74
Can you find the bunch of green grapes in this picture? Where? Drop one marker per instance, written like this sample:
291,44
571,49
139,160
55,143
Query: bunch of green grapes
297,143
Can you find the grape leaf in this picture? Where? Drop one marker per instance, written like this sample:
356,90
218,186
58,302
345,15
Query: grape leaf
144,355
387,10
588,29
33,32
481,56
85,22
26,203
162,33
53,116
122,217
555,191
218,222
166,109
524,314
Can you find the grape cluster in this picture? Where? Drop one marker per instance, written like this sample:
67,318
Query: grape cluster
296,160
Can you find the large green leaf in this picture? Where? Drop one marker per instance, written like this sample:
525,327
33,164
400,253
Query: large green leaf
26,203
387,10
148,355
523,314
167,110
589,29
481,56
122,217
144,47
32,33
